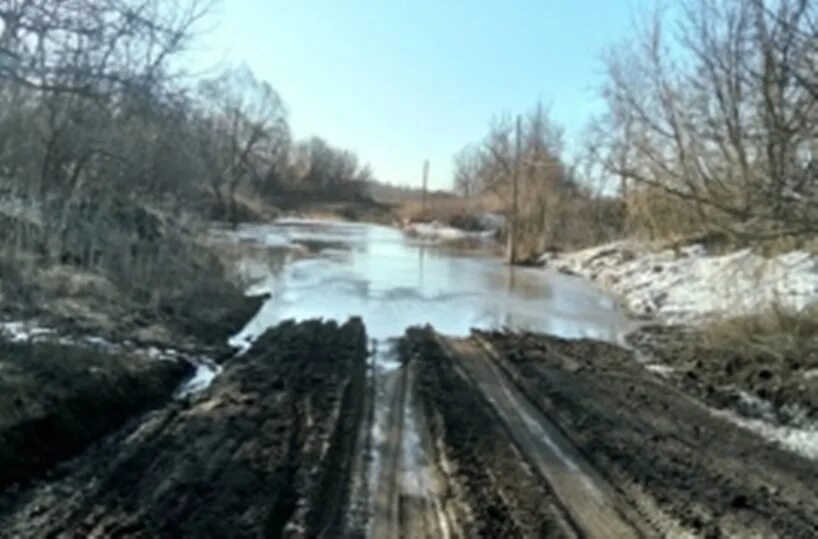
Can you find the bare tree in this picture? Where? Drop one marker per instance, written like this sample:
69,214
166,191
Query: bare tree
468,177
93,47
721,115
545,185
245,133
330,173
88,83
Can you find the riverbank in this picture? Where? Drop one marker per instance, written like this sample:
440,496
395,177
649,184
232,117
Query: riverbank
736,329
113,327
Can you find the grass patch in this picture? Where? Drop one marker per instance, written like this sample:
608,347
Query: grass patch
779,333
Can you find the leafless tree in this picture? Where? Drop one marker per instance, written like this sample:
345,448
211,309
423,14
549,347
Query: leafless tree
331,173
93,47
468,174
721,115
245,133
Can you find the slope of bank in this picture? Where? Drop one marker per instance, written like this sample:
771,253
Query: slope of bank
55,400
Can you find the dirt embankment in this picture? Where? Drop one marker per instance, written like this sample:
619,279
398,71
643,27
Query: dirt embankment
775,377
671,458
121,271
56,400
264,452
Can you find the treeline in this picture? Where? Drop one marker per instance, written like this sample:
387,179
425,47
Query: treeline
710,130
92,104
111,155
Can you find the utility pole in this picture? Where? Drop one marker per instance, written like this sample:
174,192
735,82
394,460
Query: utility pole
425,186
515,180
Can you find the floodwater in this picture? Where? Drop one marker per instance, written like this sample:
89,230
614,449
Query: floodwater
332,270
336,270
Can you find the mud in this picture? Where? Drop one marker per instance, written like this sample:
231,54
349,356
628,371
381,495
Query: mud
56,400
264,452
492,489
494,435
778,373
682,467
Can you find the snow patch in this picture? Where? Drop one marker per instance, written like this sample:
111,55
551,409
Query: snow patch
24,331
206,371
688,285
800,440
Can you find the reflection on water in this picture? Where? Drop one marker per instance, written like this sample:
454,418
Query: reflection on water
394,282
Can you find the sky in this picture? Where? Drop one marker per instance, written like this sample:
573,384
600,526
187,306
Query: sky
400,81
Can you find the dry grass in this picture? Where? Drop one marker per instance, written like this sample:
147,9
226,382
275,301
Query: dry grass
253,207
449,208
653,214
778,332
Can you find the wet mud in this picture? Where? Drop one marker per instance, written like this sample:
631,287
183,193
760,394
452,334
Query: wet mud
263,452
686,469
494,435
56,400
492,490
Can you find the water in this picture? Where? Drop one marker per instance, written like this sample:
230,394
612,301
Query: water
314,269
337,270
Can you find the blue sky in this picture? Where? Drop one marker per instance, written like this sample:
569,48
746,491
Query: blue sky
400,81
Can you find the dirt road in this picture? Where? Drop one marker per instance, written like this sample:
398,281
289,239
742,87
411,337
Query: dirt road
533,436
497,435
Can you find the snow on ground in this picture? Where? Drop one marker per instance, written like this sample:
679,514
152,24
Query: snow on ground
688,285
23,331
800,440
206,371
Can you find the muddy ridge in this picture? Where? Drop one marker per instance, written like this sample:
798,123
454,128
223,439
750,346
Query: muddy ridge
261,453
494,491
683,467
56,400
495,435
781,373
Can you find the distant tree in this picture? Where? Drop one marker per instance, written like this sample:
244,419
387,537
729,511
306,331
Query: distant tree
331,173
244,132
468,177
544,181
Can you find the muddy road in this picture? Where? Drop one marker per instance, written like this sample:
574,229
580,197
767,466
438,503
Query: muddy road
312,433
367,429
527,435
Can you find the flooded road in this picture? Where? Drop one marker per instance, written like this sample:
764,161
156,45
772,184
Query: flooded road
338,270
323,429
331,270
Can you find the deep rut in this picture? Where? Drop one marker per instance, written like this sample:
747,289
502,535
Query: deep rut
590,501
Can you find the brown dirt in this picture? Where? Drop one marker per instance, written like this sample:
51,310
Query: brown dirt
263,453
665,452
